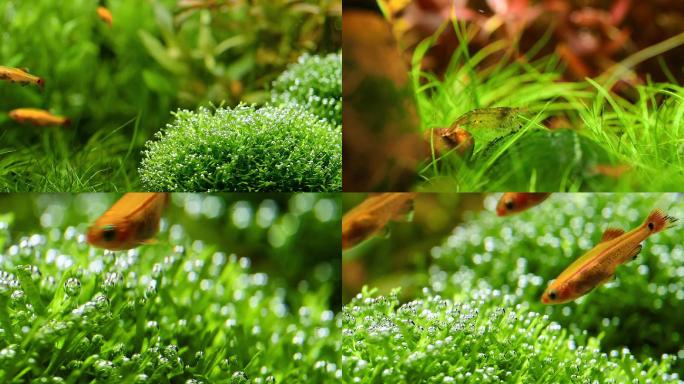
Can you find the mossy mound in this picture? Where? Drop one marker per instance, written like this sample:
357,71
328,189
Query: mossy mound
244,149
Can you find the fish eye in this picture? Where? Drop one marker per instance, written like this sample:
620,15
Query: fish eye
553,295
109,233
510,205
651,226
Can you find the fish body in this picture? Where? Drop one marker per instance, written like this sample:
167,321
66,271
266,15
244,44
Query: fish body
597,266
133,220
21,76
372,215
515,202
105,15
38,117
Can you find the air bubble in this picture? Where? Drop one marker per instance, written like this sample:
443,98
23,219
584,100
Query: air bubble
72,287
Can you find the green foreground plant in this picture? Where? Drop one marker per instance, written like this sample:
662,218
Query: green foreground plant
492,264
178,311
245,149
483,340
315,84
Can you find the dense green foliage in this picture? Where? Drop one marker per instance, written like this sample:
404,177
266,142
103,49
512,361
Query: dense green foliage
118,84
245,149
181,310
439,340
637,128
315,83
508,262
233,51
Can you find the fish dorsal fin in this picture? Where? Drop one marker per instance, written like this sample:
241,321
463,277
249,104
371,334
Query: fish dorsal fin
611,233
25,69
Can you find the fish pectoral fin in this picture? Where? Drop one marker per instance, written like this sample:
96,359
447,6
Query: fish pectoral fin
635,252
150,241
607,279
611,233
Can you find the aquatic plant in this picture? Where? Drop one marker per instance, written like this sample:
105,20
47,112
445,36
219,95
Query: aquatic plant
568,131
486,338
179,311
244,149
231,51
315,83
519,255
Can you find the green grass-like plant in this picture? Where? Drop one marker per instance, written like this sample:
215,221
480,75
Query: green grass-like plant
315,83
493,264
640,128
179,311
244,149
486,339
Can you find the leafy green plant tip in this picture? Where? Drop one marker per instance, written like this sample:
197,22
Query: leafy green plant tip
160,314
245,149
485,340
315,83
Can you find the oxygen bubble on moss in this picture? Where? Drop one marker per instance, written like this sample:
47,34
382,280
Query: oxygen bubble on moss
72,287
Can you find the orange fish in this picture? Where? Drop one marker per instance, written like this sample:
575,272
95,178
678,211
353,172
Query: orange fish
133,220
372,215
598,265
21,76
614,171
38,117
514,202
105,15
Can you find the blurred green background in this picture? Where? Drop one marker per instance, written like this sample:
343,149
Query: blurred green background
119,84
294,238
456,244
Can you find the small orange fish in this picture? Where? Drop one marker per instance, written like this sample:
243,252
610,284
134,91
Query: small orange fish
131,221
598,265
614,171
105,15
372,215
21,76
38,117
515,202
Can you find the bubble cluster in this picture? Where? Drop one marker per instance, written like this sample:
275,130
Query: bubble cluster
437,340
160,313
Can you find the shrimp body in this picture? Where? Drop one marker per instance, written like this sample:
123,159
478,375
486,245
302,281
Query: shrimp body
130,222
598,265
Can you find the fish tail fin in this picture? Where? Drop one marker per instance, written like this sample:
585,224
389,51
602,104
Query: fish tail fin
67,122
658,220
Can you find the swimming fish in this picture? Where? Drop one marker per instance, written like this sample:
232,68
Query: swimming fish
514,202
105,15
372,215
21,76
38,117
598,265
133,220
